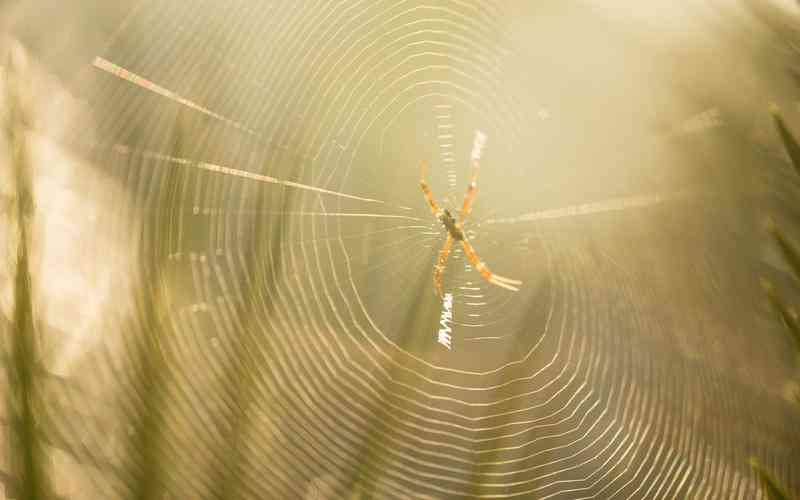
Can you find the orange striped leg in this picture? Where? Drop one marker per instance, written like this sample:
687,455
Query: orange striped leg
435,210
441,262
472,191
482,268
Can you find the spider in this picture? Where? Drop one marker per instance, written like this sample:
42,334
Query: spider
455,229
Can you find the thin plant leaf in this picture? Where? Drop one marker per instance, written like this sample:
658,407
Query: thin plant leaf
795,76
788,140
787,249
789,319
28,456
242,374
144,472
365,475
768,483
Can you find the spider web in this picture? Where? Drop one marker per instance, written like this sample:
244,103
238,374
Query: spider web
290,137
398,80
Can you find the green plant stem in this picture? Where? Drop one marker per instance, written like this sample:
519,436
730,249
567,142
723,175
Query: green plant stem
28,454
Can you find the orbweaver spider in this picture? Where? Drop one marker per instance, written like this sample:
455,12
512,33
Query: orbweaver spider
455,229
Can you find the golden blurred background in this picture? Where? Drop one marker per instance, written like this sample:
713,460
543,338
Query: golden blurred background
225,288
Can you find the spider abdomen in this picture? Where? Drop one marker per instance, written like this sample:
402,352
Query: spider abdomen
452,226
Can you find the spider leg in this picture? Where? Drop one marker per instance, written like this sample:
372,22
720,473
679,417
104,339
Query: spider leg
471,192
441,262
482,268
472,187
435,209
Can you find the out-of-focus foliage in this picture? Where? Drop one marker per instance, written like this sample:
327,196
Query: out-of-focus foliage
787,314
24,404
788,250
771,487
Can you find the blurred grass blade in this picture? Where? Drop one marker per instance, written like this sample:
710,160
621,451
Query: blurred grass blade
242,374
144,469
146,461
370,457
28,457
787,138
768,483
795,76
783,311
787,249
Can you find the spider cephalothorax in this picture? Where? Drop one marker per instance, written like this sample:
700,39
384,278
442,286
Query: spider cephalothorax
455,230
